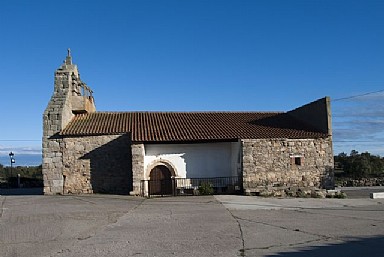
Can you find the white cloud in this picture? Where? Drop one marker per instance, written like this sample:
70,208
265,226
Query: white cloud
358,124
5,150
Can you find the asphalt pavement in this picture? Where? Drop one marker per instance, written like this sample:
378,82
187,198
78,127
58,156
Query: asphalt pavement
109,225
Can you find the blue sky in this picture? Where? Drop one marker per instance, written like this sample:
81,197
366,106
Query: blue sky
196,56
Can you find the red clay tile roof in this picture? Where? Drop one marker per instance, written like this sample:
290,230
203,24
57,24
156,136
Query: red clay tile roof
190,126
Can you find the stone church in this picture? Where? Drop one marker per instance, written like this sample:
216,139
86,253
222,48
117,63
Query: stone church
87,151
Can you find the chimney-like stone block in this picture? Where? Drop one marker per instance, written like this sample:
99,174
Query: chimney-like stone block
83,104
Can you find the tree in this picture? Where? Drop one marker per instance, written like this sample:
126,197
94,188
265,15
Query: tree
360,165
354,153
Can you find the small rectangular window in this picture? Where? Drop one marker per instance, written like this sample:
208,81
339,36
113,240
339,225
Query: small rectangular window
297,160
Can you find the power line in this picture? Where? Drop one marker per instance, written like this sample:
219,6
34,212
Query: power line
20,140
356,96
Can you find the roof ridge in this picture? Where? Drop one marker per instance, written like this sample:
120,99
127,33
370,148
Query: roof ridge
183,112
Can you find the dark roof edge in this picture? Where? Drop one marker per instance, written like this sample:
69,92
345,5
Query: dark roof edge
92,134
316,114
197,141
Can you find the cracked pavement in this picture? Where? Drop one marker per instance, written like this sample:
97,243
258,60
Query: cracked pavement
107,225
308,227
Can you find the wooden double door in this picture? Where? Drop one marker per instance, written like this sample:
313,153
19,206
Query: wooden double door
160,182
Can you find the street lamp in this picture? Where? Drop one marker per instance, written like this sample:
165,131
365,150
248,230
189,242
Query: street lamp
11,154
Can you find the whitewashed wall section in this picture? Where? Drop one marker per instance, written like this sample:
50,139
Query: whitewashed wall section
200,160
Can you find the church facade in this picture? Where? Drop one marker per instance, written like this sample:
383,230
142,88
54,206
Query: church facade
86,151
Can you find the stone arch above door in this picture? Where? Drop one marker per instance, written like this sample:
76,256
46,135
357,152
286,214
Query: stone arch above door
165,163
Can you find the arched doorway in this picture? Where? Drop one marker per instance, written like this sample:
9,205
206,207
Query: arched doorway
160,181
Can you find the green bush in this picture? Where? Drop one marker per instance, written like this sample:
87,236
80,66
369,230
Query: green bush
206,188
338,195
341,195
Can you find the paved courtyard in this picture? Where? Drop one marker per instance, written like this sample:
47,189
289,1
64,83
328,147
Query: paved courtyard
107,225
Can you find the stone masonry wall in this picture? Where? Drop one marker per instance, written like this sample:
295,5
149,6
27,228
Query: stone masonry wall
52,166
97,164
57,114
271,163
138,153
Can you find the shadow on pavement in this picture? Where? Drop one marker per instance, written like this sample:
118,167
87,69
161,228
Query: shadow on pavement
355,247
21,191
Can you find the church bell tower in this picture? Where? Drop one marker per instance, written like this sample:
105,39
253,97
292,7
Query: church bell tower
71,96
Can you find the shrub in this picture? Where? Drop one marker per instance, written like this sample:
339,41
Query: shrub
341,195
206,188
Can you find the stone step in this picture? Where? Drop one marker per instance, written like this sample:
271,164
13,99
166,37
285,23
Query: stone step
378,195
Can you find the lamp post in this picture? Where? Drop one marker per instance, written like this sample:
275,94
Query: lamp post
11,154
